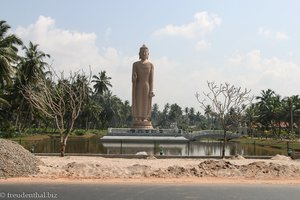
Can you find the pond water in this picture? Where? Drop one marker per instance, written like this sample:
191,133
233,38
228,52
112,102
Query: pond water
192,148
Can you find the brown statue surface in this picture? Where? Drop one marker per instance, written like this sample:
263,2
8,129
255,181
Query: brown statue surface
142,90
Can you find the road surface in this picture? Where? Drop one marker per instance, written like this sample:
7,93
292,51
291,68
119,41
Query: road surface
149,191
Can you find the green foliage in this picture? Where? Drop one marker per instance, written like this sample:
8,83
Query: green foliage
79,132
90,132
102,82
9,133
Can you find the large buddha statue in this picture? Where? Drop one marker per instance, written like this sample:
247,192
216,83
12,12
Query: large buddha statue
142,90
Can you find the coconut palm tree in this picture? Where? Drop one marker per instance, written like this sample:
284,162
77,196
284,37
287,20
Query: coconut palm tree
175,114
102,82
30,69
251,115
8,60
291,108
112,110
8,54
208,112
191,116
271,110
126,114
266,100
32,65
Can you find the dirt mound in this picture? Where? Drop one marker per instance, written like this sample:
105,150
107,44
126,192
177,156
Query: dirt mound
222,168
237,157
281,157
98,167
16,161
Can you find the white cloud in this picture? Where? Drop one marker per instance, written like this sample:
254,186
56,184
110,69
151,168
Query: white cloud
203,23
202,45
261,73
272,35
73,51
174,82
70,50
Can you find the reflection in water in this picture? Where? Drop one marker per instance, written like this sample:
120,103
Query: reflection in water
151,148
202,148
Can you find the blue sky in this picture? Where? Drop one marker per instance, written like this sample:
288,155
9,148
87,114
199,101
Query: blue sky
253,44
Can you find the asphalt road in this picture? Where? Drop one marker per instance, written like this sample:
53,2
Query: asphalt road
149,191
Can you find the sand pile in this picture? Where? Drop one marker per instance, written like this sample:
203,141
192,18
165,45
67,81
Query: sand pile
281,157
98,167
222,168
16,161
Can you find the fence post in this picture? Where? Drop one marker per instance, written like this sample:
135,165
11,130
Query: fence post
121,147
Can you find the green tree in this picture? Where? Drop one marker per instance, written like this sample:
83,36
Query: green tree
200,121
175,114
8,54
126,114
264,104
209,113
155,115
32,66
270,108
102,82
251,115
89,116
8,60
291,108
192,116
110,115
164,119
30,70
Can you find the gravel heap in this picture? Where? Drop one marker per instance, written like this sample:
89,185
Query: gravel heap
16,161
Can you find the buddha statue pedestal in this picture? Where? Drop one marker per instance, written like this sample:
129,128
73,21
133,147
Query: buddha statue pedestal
142,124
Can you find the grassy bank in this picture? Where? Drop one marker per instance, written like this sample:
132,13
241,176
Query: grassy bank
75,134
273,143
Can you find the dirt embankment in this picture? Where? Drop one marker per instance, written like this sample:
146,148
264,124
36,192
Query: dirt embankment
105,168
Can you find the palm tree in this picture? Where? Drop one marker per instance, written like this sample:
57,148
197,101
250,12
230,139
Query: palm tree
155,114
271,110
291,106
208,112
30,70
192,116
32,65
164,120
251,114
8,54
126,114
8,60
111,109
175,114
265,107
102,82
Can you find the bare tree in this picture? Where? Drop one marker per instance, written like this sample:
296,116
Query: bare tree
223,99
61,101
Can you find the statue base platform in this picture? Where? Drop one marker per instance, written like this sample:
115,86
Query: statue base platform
143,134
142,125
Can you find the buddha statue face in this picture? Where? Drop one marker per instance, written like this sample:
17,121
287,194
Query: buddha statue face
144,53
